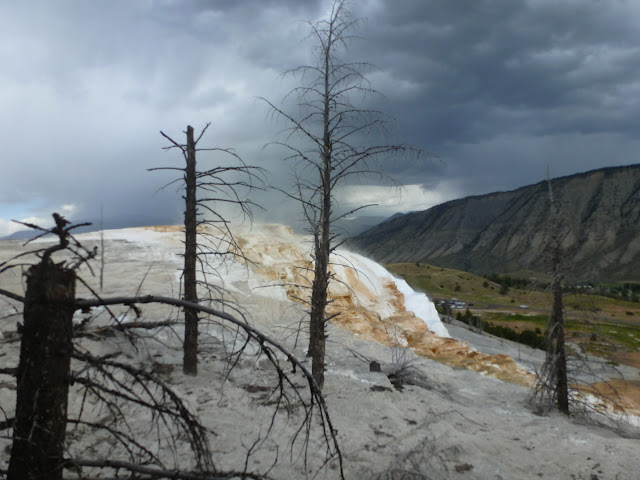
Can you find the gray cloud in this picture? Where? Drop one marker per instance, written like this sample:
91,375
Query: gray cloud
496,89
511,85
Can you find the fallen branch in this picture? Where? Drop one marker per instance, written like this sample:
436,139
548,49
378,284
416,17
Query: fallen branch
13,296
144,325
160,473
262,339
126,326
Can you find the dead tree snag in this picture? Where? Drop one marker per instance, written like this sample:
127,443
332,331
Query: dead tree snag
43,373
190,363
207,232
331,140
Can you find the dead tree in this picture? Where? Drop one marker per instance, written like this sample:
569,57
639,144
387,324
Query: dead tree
556,351
43,371
220,238
190,363
329,142
589,377
551,386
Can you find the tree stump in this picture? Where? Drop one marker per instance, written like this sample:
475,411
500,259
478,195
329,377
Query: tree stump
43,374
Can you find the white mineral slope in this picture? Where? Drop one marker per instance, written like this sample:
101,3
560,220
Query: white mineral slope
457,424
376,276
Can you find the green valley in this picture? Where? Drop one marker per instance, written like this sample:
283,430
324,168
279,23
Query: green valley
597,324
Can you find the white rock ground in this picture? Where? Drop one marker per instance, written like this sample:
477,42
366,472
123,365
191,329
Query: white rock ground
458,424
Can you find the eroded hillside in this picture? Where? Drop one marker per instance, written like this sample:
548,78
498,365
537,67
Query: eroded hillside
507,231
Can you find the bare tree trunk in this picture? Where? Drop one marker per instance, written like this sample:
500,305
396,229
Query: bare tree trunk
557,344
190,362
43,374
553,379
317,337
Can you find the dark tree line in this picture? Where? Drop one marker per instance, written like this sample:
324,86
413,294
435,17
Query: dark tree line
508,282
532,338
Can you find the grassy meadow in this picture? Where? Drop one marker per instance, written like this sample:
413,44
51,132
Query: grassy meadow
601,325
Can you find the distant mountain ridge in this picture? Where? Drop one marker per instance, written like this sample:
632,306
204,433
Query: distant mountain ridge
507,231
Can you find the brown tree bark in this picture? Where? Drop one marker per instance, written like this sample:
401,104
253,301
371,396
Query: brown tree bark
43,374
317,336
190,362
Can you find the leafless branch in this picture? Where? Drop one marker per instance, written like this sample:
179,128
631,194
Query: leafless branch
134,468
13,296
267,346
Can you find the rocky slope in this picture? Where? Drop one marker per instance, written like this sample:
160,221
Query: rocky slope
508,231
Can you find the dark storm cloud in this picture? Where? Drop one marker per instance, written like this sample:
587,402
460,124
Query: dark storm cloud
496,89
486,70
528,55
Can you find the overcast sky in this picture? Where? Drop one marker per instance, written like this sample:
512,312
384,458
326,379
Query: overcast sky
496,89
